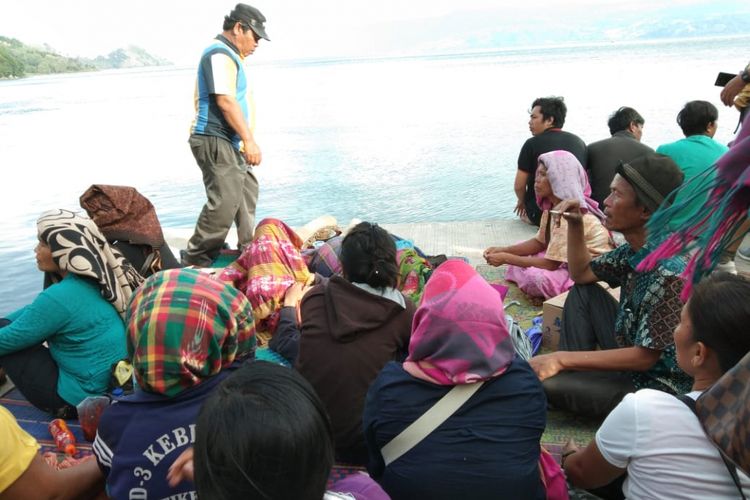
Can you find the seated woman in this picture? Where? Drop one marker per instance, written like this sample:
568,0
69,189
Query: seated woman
128,220
489,448
655,437
268,266
78,317
286,452
25,474
350,327
539,265
185,332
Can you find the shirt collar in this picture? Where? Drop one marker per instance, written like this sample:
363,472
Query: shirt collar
232,46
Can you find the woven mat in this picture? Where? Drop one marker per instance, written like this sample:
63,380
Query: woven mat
516,302
36,423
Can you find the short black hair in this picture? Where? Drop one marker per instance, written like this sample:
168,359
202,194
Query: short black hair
263,433
552,107
695,117
622,118
368,255
719,310
230,22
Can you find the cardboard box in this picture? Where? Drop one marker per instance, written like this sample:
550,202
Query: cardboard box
551,320
552,310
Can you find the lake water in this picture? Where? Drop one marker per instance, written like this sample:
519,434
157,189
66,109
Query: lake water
388,140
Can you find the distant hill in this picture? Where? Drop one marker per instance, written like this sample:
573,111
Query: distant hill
129,57
18,60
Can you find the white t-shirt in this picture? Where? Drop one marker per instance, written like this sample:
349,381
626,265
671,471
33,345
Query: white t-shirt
661,443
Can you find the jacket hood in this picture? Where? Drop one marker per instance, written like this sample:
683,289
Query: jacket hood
352,311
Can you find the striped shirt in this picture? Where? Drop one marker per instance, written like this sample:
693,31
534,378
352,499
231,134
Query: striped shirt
221,72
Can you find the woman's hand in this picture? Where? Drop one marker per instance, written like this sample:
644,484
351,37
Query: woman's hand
490,250
294,294
546,365
181,469
497,258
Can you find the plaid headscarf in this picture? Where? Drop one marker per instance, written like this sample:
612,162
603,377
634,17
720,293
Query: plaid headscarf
184,326
79,247
266,269
459,334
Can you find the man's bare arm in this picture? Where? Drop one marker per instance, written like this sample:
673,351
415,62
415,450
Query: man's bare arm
232,112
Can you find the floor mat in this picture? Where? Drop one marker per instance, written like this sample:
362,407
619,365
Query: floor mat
516,302
36,422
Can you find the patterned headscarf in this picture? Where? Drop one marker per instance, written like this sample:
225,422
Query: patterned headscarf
122,213
184,326
266,269
79,247
568,180
459,334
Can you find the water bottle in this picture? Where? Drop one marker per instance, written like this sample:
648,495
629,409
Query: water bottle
64,439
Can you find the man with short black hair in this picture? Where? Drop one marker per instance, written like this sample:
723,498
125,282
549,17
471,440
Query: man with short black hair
222,138
634,336
696,154
547,117
626,128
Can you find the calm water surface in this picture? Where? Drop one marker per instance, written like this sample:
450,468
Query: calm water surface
394,140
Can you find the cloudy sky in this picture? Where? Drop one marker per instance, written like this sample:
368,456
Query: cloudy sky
177,30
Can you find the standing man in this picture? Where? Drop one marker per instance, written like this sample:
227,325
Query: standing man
222,137
547,117
626,128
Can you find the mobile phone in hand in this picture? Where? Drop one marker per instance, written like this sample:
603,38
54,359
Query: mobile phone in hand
723,78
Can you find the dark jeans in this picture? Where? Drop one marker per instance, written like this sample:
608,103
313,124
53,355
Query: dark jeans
587,324
35,374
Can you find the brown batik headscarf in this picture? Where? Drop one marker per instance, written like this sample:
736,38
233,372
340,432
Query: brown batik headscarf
122,213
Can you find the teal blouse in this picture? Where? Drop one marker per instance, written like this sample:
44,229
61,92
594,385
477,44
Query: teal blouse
83,331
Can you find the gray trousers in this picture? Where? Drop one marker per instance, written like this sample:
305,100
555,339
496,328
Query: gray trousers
588,323
232,193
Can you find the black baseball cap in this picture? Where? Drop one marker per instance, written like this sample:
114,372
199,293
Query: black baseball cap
252,17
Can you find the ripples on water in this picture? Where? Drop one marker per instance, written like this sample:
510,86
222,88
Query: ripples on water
390,140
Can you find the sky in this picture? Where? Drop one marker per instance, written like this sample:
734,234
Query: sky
321,29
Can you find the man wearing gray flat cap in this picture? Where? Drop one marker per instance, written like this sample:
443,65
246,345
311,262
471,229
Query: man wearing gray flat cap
609,348
222,138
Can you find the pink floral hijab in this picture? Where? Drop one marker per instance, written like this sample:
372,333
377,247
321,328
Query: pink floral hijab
568,180
459,335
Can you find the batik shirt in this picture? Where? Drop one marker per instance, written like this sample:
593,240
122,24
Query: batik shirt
649,311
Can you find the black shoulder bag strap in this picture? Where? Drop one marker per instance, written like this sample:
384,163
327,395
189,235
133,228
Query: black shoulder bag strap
690,403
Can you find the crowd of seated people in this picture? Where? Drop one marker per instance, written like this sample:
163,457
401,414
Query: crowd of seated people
368,366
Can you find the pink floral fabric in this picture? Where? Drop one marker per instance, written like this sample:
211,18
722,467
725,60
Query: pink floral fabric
459,335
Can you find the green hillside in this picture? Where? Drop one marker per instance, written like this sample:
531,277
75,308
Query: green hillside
18,60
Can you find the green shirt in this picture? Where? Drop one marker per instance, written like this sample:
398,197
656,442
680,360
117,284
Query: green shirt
83,331
694,155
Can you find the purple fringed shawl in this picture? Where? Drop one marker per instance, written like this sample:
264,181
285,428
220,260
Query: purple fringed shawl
713,229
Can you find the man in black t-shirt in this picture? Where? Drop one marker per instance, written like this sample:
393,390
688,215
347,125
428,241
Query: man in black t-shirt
546,122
